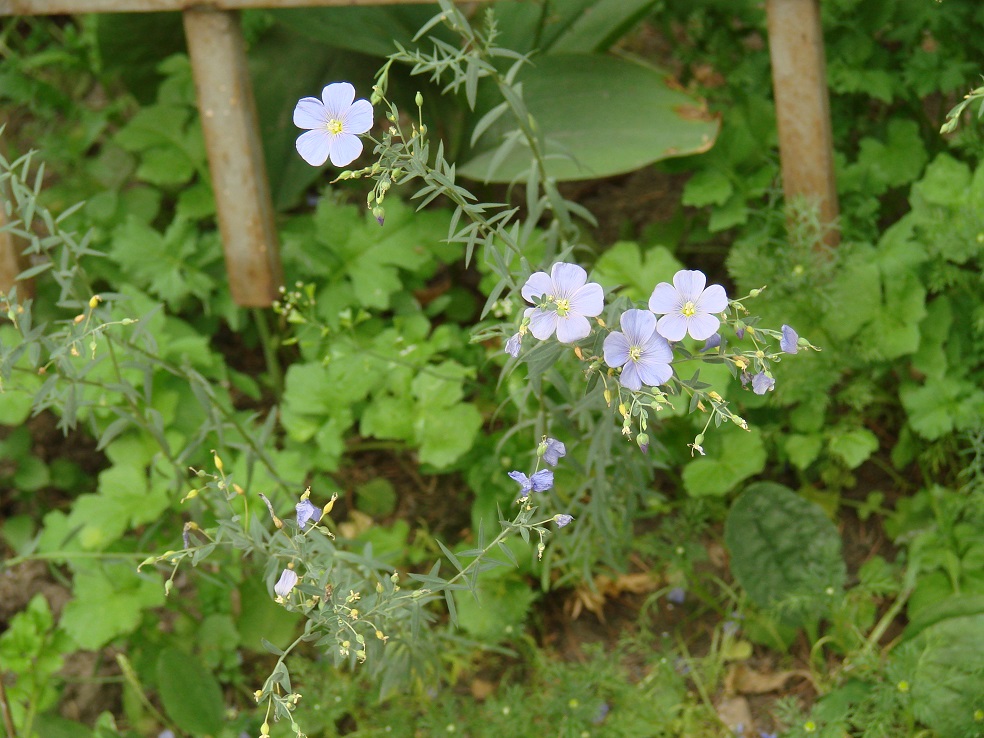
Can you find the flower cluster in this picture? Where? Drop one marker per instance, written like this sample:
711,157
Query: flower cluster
551,451
641,354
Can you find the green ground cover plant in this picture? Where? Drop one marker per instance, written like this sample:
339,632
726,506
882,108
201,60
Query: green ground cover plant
390,505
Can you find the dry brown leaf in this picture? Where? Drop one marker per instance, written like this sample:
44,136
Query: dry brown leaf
357,523
741,679
734,712
606,588
481,689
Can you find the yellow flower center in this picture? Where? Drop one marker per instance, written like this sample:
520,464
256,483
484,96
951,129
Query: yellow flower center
563,307
334,126
635,353
688,309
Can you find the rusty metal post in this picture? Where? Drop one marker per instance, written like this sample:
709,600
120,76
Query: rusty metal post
235,156
799,79
9,258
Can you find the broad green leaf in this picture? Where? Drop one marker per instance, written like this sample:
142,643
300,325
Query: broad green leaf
445,434
625,264
707,187
947,685
854,446
500,609
109,601
733,455
594,128
803,449
785,552
261,617
190,695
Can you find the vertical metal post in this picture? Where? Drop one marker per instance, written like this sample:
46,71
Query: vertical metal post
235,156
10,262
799,79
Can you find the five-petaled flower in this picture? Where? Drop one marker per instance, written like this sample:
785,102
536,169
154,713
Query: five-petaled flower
565,300
306,511
541,481
563,519
553,450
287,581
686,306
642,353
333,124
789,343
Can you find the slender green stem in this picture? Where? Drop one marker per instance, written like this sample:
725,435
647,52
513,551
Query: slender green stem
269,351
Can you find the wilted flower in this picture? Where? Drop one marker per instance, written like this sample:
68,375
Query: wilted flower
553,450
539,482
287,581
712,343
513,345
563,519
306,511
570,300
686,306
642,353
334,122
762,383
789,341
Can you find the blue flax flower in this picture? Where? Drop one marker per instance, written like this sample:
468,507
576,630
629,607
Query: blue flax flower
762,383
712,343
287,582
539,482
333,124
789,341
642,353
677,595
570,300
563,519
686,306
306,511
553,450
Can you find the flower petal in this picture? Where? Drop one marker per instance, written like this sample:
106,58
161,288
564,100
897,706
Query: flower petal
344,149
313,147
703,326
616,349
542,480
665,299
630,377
567,278
638,325
653,373
588,300
524,481
672,327
513,345
713,300
287,581
762,383
689,283
537,285
553,451
542,323
309,113
789,343
657,349
338,98
358,119
572,328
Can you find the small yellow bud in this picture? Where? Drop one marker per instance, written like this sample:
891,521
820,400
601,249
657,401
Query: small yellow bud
715,396
218,461
258,695
78,319
331,503
237,489
190,496
94,300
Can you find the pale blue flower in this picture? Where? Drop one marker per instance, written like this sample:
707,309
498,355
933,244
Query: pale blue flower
287,582
642,353
789,341
306,511
568,301
762,383
553,450
677,595
539,482
334,123
686,306
563,519
513,345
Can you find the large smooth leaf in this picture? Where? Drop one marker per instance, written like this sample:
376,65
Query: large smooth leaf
599,116
189,692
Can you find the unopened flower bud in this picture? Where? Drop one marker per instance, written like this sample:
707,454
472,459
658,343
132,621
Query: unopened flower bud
94,300
419,100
